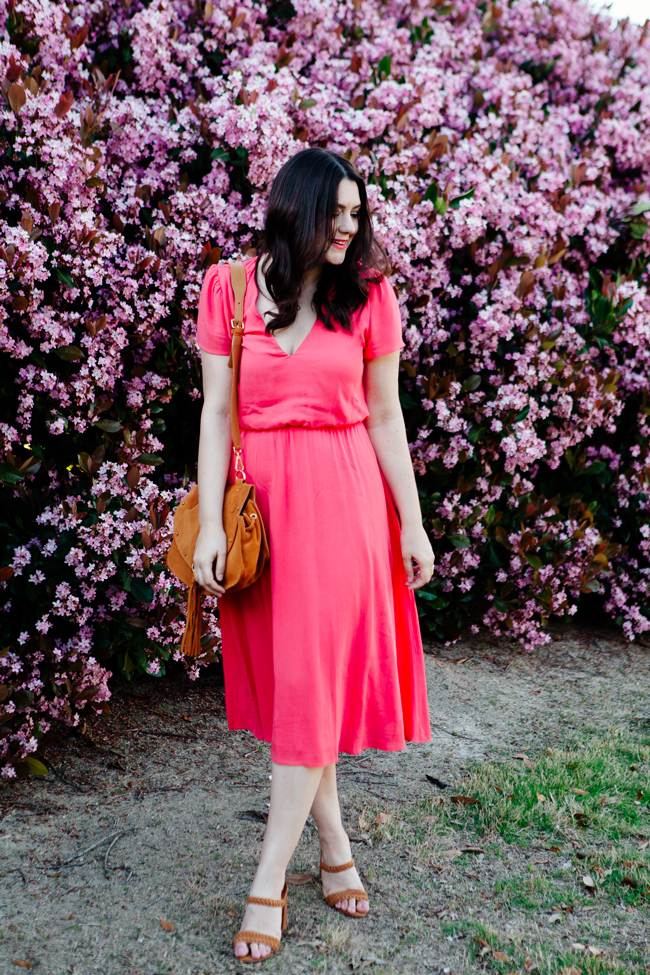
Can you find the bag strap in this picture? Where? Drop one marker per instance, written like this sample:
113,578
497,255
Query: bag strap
238,281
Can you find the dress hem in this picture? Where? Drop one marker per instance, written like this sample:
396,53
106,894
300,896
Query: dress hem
342,751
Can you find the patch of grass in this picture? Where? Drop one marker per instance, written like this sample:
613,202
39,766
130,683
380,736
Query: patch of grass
598,788
497,953
528,893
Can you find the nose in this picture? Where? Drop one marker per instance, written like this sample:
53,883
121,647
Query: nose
347,224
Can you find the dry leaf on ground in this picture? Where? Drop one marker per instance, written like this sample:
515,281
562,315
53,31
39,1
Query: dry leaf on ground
525,759
23,964
450,854
167,925
596,952
554,918
540,797
465,801
589,883
500,956
296,879
382,818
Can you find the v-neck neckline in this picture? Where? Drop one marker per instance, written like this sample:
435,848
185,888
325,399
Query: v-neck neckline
270,335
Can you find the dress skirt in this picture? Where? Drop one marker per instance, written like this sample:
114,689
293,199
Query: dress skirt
323,653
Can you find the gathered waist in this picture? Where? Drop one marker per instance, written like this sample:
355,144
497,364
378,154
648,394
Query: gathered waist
311,428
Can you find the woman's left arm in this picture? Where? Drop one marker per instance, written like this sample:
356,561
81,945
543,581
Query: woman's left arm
385,425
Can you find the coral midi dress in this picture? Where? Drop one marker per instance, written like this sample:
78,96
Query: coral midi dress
323,653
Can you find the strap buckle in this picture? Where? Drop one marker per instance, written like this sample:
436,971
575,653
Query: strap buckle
240,473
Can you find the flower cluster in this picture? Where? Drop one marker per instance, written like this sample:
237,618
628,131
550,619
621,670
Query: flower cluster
506,150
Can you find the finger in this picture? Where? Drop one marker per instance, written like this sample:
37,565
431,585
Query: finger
422,575
220,567
207,581
408,568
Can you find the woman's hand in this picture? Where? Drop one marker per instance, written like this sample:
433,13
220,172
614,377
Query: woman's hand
211,546
416,548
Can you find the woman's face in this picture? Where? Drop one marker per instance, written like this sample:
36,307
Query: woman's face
346,221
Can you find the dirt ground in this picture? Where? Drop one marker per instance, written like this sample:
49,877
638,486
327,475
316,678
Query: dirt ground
169,807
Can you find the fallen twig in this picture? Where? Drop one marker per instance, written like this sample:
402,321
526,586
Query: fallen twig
166,734
456,734
117,837
88,849
18,870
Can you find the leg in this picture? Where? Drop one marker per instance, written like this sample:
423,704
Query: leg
334,842
293,788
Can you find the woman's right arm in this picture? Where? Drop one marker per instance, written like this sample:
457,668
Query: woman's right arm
215,445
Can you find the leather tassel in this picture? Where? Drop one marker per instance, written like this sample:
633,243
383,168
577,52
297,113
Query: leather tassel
191,645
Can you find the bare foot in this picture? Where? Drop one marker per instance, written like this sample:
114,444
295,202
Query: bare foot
263,920
333,852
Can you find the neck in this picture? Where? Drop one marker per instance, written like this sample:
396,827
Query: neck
311,277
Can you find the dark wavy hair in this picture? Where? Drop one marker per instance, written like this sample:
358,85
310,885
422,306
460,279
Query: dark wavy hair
298,231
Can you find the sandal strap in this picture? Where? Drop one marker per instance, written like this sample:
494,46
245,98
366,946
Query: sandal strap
346,895
266,901
343,866
250,937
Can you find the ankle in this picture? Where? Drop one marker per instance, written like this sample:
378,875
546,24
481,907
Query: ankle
335,847
268,882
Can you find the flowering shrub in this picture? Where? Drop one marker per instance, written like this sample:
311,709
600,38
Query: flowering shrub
506,150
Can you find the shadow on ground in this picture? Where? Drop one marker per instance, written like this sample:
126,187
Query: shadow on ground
134,855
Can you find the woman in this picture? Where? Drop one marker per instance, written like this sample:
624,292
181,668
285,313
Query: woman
323,653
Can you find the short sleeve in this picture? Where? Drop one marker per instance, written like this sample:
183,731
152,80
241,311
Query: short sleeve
213,321
384,331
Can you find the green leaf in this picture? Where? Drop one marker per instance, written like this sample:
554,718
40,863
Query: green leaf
432,192
23,698
307,103
151,459
465,196
640,208
70,353
522,414
221,154
638,229
384,66
142,591
440,205
475,435
10,474
500,605
459,541
597,467
109,426
64,275
94,181
534,561
35,766
472,383
490,515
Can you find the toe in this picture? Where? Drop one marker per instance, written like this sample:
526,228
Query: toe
363,907
352,906
241,949
255,950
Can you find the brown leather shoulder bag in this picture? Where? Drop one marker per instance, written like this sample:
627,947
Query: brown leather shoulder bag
248,549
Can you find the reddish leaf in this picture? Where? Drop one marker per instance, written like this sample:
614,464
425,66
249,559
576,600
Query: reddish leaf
65,104
17,97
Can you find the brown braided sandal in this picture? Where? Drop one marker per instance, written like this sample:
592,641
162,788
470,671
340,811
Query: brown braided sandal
343,895
250,937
